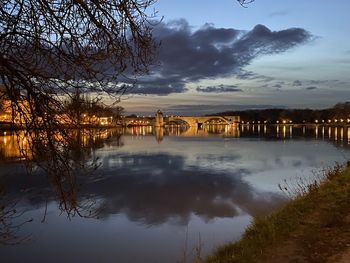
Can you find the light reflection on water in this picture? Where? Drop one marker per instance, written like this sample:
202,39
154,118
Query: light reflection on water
156,185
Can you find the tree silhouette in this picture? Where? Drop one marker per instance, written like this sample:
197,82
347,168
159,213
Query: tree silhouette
244,3
50,49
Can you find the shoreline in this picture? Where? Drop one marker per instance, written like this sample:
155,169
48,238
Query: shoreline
313,227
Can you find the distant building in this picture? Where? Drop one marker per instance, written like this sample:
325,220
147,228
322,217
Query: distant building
5,106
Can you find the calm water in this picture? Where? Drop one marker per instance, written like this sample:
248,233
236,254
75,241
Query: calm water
161,194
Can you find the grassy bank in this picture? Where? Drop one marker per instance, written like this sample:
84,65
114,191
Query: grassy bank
313,227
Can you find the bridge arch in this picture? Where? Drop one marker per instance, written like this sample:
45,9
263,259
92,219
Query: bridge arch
202,120
215,119
178,121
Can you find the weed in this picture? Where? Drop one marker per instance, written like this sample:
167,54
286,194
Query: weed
313,221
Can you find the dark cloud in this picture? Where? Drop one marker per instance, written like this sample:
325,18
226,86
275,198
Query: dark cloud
311,88
277,86
219,89
246,75
206,109
157,88
317,82
188,56
297,83
265,86
249,75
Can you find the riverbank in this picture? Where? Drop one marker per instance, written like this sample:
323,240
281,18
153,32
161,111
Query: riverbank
313,227
11,127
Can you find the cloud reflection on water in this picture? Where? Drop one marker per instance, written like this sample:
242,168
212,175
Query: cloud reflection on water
157,188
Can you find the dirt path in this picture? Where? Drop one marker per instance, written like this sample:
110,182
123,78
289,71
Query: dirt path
344,258
323,237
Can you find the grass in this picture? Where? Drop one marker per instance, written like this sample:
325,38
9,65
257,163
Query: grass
313,227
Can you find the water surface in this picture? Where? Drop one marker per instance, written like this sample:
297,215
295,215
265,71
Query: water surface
160,195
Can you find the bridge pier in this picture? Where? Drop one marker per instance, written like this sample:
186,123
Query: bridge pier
159,120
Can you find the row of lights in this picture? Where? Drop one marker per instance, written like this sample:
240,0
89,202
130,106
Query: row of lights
136,122
289,121
335,121
265,122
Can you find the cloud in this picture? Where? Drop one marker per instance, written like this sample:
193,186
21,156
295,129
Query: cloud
297,83
158,88
187,56
206,109
246,75
219,89
277,86
249,75
279,13
311,88
343,61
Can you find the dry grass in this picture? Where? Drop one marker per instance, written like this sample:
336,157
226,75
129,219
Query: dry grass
313,227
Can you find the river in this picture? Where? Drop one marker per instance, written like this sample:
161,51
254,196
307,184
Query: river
160,195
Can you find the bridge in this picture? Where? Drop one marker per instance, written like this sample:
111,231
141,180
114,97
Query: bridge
194,121
190,121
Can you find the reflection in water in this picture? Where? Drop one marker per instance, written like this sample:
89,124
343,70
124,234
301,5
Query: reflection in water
9,229
159,133
12,145
153,184
17,146
60,158
338,134
341,133
323,129
335,134
155,188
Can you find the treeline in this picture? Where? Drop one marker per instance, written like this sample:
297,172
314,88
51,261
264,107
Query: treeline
78,106
340,112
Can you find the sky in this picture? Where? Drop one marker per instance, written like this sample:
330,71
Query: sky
218,56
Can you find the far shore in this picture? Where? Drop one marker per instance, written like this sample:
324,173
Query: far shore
7,126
